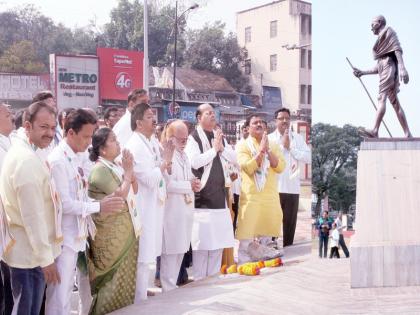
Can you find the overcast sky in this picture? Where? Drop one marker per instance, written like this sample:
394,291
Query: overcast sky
79,12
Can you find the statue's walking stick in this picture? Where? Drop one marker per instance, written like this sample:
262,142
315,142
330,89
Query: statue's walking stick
370,97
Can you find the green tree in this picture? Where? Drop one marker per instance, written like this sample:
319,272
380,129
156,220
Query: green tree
21,57
126,31
27,23
334,162
10,26
210,49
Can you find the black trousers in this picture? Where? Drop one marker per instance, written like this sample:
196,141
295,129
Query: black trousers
235,207
6,296
290,204
334,252
343,245
323,243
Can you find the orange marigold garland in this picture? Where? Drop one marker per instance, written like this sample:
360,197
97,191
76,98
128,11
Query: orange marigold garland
273,262
249,270
228,270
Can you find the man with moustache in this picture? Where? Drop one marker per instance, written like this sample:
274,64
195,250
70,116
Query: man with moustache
122,128
260,213
70,181
391,69
212,224
26,192
150,168
48,98
6,298
294,150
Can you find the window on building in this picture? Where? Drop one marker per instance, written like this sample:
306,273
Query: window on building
273,29
309,59
248,66
310,24
303,98
305,24
273,62
303,58
248,34
309,94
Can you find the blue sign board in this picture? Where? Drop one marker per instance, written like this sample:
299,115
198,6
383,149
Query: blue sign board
187,112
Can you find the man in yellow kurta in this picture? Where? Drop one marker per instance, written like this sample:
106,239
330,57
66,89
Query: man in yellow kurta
260,214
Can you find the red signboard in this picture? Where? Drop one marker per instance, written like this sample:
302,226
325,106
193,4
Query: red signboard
120,71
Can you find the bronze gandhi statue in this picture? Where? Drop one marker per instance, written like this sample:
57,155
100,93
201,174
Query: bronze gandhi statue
390,67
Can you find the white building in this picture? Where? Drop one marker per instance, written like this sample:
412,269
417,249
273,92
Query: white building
277,37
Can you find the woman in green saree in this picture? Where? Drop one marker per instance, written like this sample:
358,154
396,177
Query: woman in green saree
112,254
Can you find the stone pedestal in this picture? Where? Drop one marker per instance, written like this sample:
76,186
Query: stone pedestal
385,250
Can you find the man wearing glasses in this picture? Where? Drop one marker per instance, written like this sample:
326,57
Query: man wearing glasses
295,150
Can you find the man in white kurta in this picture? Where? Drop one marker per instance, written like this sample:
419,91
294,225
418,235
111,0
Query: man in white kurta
122,128
212,225
67,171
178,216
26,192
295,151
6,298
149,169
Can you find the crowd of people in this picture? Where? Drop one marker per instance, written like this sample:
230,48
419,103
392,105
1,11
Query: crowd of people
97,204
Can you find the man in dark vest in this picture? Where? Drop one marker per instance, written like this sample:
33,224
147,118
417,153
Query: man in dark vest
212,224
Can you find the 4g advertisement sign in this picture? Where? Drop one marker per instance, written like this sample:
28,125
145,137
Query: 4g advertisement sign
120,72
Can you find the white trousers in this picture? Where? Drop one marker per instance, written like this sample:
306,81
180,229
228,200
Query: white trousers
85,296
206,263
169,270
142,282
58,297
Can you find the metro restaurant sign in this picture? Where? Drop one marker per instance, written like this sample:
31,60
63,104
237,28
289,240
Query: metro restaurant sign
75,80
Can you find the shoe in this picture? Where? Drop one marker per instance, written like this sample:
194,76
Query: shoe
185,282
150,293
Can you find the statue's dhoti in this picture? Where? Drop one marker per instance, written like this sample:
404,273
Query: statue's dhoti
388,76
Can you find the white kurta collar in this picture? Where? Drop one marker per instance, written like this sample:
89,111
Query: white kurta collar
70,154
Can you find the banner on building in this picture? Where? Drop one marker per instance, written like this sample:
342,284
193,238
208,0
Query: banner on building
22,87
120,72
75,80
271,98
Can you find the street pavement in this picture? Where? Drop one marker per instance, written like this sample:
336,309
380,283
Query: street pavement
235,294
205,294
304,285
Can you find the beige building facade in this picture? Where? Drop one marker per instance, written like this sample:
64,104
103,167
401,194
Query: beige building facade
277,38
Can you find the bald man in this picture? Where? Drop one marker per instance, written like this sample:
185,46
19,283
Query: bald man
391,69
177,221
212,223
